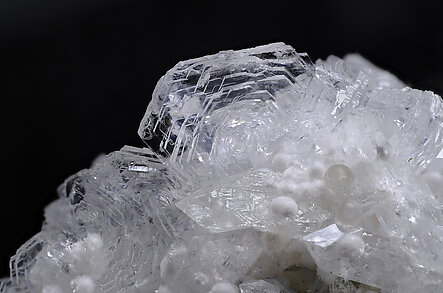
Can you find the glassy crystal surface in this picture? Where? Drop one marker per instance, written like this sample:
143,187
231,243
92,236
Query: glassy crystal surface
264,172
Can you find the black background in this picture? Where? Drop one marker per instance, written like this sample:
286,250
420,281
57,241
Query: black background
77,75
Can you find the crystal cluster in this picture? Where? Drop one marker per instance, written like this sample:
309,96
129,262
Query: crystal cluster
265,172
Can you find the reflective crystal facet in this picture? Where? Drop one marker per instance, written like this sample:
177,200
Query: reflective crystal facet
265,172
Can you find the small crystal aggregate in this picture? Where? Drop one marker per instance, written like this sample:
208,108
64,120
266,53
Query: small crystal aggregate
265,172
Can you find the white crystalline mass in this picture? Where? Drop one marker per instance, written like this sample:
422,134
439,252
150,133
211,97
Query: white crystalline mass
265,172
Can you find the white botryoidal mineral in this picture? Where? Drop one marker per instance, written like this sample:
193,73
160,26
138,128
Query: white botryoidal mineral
265,173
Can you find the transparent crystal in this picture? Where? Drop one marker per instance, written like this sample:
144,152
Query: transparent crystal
265,172
190,102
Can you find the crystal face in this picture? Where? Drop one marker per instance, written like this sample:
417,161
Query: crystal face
265,172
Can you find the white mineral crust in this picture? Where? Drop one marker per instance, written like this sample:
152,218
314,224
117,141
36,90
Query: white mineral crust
265,173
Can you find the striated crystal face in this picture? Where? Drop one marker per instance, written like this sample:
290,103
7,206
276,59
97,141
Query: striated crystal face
265,172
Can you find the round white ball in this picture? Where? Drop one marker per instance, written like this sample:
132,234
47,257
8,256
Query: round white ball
284,206
224,287
83,284
350,246
339,176
281,161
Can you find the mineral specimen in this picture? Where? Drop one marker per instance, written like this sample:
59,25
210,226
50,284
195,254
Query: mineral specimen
265,172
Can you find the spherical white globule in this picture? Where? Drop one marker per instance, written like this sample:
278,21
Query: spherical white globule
82,284
224,287
339,176
350,246
281,161
316,171
284,206
94,241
